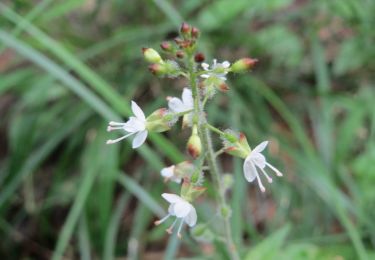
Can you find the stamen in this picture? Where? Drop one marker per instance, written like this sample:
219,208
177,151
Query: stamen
119,139
179,229
269,179
260,184
170,229
113,123
278,173
111,128
158,222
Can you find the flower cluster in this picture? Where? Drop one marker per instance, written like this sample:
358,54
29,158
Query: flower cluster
181,59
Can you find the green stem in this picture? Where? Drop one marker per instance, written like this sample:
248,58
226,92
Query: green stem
204,133
214,129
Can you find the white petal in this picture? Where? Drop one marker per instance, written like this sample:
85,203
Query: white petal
206,76
171,209
191,218
134,125
205,66
249,170
138,111
225,64
258,159
176,105
139,139
260,147
187,98
167,172
171,198
182,209
176,179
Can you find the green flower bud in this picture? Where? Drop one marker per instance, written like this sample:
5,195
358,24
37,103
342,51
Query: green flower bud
225,212
158,121
151,55
227,181
194,145
190,191
243,65
236,145
203,233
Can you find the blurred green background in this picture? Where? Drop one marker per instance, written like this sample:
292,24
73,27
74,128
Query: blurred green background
67,67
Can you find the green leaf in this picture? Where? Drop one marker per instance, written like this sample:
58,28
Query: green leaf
270,247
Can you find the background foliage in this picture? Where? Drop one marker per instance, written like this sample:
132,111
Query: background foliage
68,67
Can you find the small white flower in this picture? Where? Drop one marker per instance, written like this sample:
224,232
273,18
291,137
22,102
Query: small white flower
177,105
218,70
168,174
136,125
257,160
181,209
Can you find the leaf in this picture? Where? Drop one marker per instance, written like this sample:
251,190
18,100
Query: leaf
269,248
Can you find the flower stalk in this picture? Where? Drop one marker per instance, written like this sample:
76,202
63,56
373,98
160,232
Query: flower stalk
205,136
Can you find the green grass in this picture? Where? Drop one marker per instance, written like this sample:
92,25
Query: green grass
68,67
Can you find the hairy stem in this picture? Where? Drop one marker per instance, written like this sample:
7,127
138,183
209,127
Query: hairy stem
205,136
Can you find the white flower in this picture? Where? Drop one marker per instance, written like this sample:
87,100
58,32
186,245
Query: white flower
181,209
135,125
257,160
218,70
177,105
168,174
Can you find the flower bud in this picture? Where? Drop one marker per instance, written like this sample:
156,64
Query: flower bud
243,65
166,46
185,29
223,87
151,55
158,121
217,83
180,54
225,212
203,233
158,69
194,145
236,145
167,68
194,32
199,57
227,181
184,169
191,191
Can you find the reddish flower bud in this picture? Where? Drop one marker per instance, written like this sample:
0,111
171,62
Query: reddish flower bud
223,87
194,32
243,64
180,54
185,28
167,46
194,145
199,57
178,41
157,69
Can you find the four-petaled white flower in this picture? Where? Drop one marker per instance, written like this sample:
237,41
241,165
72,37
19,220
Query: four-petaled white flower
135,125
168,174
257,160
177,105
181,209
218,70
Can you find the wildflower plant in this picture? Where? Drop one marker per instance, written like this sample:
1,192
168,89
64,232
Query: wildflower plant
203,81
